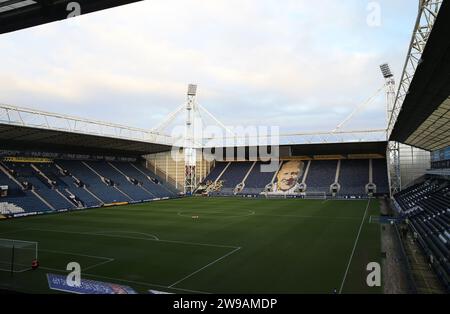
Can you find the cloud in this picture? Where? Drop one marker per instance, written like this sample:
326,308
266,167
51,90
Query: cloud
286,63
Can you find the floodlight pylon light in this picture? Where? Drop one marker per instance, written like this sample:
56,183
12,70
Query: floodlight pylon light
192,90
386,70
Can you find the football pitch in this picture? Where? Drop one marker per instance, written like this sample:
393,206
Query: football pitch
236,245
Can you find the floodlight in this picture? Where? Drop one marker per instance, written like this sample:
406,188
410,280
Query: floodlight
192,90
386,70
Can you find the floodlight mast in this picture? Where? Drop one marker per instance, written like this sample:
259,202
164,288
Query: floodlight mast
390,90
190,154
393,148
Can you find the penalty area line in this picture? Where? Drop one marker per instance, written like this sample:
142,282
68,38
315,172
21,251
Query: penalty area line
106,260
96,233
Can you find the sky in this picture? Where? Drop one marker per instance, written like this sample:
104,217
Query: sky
300,65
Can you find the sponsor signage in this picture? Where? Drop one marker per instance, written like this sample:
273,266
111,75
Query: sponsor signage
58,282
27,159
25,214
158,292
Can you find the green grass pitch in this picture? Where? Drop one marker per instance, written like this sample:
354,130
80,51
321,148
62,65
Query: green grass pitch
235,245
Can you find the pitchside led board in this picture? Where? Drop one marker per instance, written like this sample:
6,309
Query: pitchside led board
58,282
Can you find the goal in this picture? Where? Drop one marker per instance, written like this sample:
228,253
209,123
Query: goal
315,195
17,255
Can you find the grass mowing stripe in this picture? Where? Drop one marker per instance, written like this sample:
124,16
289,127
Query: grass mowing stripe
76,254
98,264
149,235
298,249
105,259
354,247
309,217
84,269
14,231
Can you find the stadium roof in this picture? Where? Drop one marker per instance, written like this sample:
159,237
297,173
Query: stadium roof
19,14
311,150
14,137
348,148
35,130
424,120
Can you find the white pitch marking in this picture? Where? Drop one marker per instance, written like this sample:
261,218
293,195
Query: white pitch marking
77,254
106,259
130,281
136,238
98,264
354,247
146,284
125,232
198,270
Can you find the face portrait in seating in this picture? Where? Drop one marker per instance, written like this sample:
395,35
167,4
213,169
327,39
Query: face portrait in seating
288,176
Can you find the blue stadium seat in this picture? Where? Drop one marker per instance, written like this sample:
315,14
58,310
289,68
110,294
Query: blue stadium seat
108,194
234,175
134,191
156,186
321,175
25,173
427,207
257,180
354,176
379,175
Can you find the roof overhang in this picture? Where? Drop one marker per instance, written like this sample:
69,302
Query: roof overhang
20,14
348,148
14,137
306,151
424,120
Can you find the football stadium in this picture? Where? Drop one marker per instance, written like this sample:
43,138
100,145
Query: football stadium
97,207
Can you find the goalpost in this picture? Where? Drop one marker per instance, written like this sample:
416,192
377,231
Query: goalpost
315,195
17,255
303,195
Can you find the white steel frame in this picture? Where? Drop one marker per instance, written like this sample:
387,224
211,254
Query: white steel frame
190,153
26,117
428,12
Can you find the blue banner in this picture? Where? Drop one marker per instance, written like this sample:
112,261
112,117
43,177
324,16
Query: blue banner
447,153
435,155
441,154
58,282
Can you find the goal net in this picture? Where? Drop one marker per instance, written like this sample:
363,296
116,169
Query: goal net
315,195
17,255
